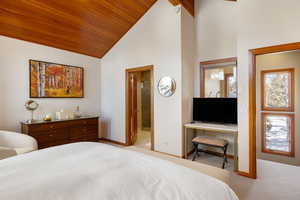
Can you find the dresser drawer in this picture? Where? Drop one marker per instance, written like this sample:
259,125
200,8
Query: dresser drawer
54,133
52,136
93,121
77,132
92,136
82,131
36,128
92,129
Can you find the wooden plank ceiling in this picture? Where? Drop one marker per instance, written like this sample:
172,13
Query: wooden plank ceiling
89,27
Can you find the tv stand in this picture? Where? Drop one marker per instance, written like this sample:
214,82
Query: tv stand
216,128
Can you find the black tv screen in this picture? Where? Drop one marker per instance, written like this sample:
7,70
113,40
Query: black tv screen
218,110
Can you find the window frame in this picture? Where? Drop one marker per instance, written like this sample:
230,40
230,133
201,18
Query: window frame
291,117
291,86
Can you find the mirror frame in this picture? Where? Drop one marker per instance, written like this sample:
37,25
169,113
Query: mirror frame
210,63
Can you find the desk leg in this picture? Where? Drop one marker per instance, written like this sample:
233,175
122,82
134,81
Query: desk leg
235,141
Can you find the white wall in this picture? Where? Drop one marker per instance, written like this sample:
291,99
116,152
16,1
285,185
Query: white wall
216,32
228,29
154,40
188,61
14,81
216,27
260,24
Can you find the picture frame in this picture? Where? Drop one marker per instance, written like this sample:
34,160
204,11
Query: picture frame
53,80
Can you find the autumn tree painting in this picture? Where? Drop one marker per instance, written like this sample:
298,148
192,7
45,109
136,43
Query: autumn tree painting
50,80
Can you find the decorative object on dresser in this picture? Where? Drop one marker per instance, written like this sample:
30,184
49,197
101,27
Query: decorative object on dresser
62,131
77,113
52,80
31,106
48,118
64,115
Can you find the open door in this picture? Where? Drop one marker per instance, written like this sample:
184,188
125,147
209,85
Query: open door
139,94
132,101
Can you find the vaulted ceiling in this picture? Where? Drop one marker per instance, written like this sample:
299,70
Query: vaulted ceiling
88,27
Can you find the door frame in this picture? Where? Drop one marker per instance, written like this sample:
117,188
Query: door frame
252,99
127,105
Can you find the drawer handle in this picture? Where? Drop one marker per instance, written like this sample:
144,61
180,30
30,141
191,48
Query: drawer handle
50,135
52,127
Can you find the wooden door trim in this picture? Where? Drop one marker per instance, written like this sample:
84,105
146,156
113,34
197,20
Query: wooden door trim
252,99
204,64
127,117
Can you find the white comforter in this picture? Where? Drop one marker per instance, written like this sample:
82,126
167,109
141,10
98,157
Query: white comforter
94,171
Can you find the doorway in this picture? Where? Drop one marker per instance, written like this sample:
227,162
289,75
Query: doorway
272,128
139,107
277,109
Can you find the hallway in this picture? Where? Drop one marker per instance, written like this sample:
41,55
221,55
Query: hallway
143,139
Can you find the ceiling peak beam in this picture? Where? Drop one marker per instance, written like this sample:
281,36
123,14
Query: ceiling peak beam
187,4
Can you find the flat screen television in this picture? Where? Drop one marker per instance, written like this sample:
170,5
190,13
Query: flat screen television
215,110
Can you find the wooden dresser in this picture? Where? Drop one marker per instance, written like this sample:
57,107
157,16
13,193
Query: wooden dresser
62,132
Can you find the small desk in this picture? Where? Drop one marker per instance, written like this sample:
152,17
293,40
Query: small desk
217,128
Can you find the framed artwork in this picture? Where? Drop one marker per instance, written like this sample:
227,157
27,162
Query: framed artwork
52,80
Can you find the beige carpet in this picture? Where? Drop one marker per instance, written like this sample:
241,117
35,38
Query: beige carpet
143,139
275,181
213,160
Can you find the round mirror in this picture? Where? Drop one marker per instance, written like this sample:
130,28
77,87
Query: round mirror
31,105
166,86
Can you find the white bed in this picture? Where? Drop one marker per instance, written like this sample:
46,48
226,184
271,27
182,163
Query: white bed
94,171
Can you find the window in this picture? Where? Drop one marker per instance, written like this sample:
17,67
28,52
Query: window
277,90
230,86
278,134
277,95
